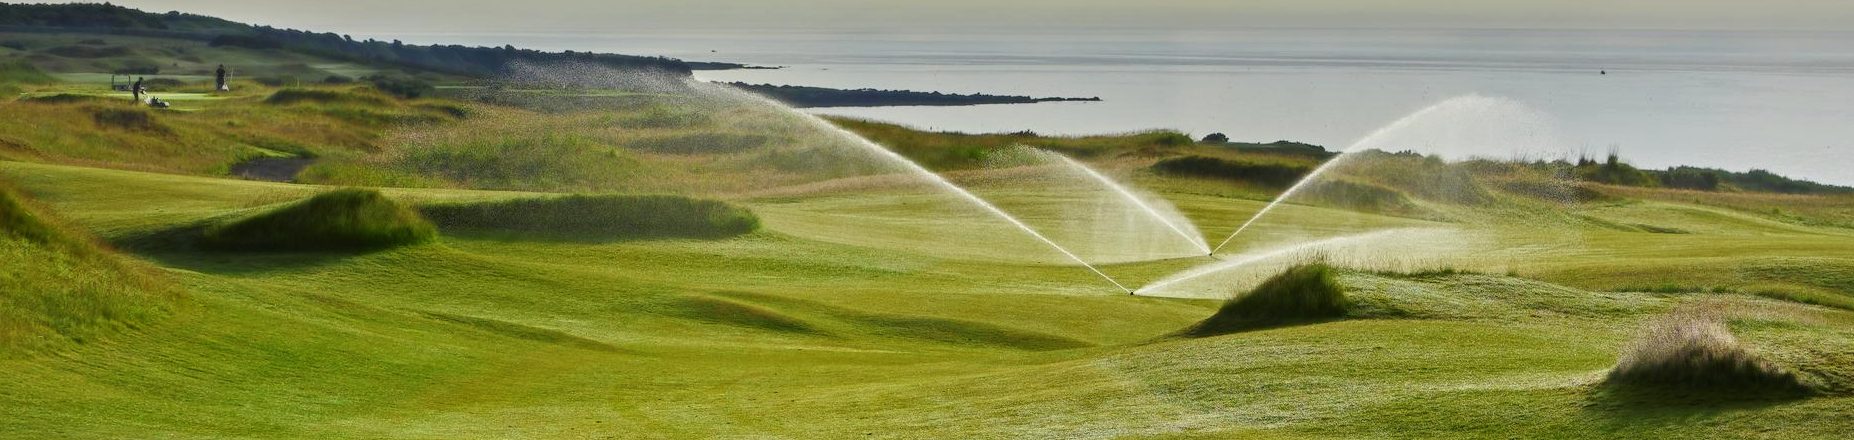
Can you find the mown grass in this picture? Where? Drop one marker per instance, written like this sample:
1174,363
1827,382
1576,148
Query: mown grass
596,217
801,332
348,219
59,288
1302,293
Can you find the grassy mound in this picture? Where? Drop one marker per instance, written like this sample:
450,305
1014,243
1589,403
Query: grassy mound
58,287
1694,351
1307,292
68,98
293,96
349,219
1266,174
601,217
21,72
131,119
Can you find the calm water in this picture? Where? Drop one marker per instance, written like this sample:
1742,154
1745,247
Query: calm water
1736,100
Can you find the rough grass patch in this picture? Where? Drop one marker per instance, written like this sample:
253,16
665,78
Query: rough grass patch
348,219
59,287
1267,174
701,143
598,217
67,98
132,119
1302,293
295,96
1694,350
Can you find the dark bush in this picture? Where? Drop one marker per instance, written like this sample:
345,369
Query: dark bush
1275,175
348,219
337,79
600,217
1216,138
1303,293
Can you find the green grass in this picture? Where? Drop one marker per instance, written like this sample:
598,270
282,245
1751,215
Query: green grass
863,304
60,289
830,323
596,217
348,219
20,72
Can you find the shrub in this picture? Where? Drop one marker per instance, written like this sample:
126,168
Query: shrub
598,217
1692,350
1215,138
1275,175
337,79
348,219
1306,292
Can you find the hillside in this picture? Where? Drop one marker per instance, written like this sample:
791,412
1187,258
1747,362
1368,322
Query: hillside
451,59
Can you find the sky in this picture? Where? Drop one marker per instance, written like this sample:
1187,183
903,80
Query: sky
387,18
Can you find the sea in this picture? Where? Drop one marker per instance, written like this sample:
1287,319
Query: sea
1782,101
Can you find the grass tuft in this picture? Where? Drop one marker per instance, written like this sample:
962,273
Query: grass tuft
598,217
348,219
1303,293
1693,350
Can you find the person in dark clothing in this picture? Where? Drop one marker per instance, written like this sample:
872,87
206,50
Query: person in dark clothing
219,77
136,90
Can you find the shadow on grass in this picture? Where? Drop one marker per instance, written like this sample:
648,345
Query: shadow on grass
1637,406
179,247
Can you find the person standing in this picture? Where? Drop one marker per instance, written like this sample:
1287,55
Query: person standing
136,90
219,77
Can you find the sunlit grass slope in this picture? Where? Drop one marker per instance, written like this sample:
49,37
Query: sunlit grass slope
776,333
60,289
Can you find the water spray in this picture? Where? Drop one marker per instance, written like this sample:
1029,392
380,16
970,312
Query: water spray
1194,239
935,178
